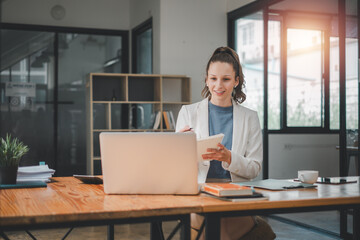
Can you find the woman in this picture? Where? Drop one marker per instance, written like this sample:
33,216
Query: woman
239,157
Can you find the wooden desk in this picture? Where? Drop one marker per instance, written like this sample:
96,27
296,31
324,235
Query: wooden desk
68,202
324,197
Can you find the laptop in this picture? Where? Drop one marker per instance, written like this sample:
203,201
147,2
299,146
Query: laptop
149,163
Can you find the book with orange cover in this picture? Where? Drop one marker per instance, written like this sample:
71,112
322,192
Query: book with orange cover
226,189
166,120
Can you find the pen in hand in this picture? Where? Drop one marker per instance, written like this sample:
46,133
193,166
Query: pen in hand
186,129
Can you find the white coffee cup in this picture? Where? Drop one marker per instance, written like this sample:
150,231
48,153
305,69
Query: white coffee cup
308,176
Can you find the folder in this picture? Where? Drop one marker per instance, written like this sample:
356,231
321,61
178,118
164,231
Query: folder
35,184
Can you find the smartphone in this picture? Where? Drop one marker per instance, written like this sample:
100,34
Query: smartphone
335,180
89,179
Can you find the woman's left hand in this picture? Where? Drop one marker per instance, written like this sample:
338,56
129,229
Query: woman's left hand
220,154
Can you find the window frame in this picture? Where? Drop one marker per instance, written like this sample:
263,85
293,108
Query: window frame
135,32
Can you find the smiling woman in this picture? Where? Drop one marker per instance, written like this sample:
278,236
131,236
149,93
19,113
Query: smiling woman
221,112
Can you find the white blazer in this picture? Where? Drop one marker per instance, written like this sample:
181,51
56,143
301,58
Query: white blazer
246,151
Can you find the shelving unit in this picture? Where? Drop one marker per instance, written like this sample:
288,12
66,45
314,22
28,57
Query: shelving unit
130,102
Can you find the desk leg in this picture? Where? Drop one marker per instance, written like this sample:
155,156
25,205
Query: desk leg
212,226
156,232
343,223
110,233
185,233
356,223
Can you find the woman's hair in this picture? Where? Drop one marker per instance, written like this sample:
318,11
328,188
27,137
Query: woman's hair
227,55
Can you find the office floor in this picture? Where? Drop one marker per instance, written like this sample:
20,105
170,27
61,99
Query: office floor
284,231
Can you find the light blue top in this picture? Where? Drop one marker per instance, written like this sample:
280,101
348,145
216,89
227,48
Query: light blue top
220,121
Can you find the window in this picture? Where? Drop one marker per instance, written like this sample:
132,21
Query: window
311,56
334,83
305,85
251,59
274,77
298,73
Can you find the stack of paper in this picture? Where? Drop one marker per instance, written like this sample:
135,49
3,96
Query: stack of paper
34,173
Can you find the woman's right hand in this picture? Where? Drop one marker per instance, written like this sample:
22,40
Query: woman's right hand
186,129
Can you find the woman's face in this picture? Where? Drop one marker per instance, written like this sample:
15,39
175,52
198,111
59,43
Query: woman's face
221,82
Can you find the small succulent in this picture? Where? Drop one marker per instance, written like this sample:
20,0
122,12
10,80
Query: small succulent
11,151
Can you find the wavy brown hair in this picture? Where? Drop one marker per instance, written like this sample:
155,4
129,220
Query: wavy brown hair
227,55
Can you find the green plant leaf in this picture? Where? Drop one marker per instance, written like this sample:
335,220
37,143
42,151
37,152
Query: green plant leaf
11,151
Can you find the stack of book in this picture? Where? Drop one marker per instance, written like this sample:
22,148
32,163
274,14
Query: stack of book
38,173
232,192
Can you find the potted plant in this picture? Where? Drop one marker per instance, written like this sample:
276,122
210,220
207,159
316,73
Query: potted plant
11,151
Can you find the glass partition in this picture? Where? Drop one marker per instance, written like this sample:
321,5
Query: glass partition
79,55
50,115
27,92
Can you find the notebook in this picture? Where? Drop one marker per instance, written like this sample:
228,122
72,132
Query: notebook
149,163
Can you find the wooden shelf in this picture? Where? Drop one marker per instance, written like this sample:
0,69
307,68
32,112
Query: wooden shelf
130,103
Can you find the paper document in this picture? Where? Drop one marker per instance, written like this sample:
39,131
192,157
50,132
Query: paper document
210,142
34,173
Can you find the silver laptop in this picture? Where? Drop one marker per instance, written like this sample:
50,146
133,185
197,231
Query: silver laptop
149,163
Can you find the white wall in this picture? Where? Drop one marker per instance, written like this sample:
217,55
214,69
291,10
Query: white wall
107,14
189,33
289,153
185,34
235,4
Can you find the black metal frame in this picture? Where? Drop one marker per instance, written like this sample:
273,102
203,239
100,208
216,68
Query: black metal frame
134,34
155,227
212,220
358,12
342,79
265,131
